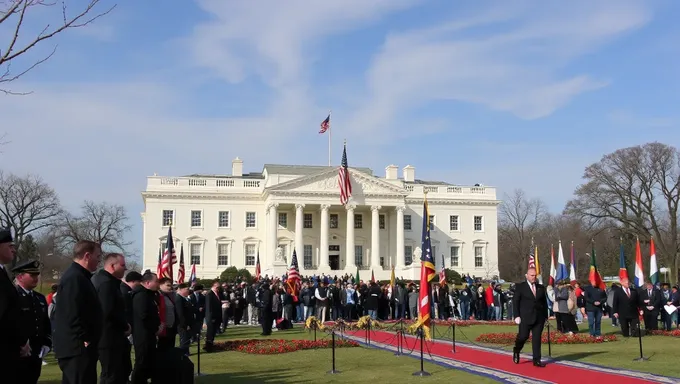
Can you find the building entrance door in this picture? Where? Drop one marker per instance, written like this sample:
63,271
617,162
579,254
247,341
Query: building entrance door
334,257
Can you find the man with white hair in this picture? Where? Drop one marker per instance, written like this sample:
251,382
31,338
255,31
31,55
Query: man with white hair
530,309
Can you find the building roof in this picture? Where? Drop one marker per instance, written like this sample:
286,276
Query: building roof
282,169
251,175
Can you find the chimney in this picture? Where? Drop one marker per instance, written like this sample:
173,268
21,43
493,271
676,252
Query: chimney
237,167
391,172
409,174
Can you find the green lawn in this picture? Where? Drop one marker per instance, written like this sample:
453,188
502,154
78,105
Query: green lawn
356,364
617,354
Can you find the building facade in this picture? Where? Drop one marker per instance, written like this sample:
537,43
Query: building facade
223,221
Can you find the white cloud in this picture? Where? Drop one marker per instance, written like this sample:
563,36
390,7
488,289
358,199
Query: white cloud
511,60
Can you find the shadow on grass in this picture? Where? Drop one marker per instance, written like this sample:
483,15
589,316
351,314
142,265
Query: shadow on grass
265,376
576,356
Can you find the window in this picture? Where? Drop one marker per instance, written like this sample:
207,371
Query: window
307,221
334,248
407,222
335,220
382,261
284,250
455,255
223,254
358,255
250,254
223,219
195,251
168,217
196,218
283,220
408,254
479,224
250,220
434,252
453,222
479,261
381,221
358,221
308,253
431,221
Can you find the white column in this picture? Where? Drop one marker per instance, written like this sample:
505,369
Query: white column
323,257
299,247
273,235
401,260
375,237
349,244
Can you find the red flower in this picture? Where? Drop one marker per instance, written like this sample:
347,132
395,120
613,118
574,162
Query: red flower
555,338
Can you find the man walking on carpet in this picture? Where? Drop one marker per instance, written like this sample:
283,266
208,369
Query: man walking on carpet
530,310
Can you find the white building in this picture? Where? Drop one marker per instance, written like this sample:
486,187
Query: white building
224,221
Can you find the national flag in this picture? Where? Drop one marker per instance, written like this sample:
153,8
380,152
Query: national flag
594,275
639,279
169,257
553,271
257,266
561,265
653,270
372,277
356,279
326,124
192,277
180,271
158,266
538,266
343,179
293,280
393,281
532,256
427,273
442,273
572,264
623,270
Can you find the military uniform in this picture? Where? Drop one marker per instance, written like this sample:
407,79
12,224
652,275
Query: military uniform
9,319
34,327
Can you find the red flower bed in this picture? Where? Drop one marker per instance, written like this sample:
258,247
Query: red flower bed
673,333
555,338
276,346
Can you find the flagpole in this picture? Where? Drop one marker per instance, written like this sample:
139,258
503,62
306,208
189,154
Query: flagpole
330,130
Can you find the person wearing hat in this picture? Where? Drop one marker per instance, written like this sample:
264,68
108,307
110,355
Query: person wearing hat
34,326
10,343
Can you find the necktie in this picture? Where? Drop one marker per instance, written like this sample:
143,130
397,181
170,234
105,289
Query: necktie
627,292
649,293
533,289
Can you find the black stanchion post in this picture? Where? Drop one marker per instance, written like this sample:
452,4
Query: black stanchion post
549,344
400,332
198,355
642,356
422,371
368,331
333,371
453,335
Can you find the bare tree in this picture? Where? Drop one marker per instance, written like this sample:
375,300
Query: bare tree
27,205
519,218
636,191
14,19
104,223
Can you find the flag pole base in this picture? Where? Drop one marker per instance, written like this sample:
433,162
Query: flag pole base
422,374
333,372
641,359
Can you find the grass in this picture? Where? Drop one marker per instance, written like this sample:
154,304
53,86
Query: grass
356,364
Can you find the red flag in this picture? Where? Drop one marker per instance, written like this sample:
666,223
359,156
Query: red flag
372,277
257,267
343,179
180,271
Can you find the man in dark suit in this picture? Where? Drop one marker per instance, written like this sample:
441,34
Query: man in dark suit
267,314
146,326
185,317
113,343
132,280
651,304
530,310
626,308
10,342
213,314
35,325
78,319
198,301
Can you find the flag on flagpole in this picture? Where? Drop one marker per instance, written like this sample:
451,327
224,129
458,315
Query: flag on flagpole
158,266
532,256
257,266
180,271
594,275
192,277
393,281
639,279
293,280
553,271
442,273
538,266
623,270
561,265
356,279
653,270
427,273
372,277
169,257
343,178
572,264
326,124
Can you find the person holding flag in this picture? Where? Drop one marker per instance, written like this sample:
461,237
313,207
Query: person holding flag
529,306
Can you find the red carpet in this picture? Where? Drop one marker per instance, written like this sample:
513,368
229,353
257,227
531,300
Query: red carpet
553,372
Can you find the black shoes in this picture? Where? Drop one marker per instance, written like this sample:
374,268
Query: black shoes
515,355
539,364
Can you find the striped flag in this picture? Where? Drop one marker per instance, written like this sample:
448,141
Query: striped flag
343,179
572,264
623,270
180,271
653,270
561,264
192,277
553,271
532,256
594,275
257,266
639,279
442,273
169,257
538,266
326,124
158,266
293,279
427,273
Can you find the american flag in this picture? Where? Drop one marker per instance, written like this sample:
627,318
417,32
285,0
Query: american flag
180,271
158,266
293,279
325,124
192,277
343,178
427,273
442,273
169,257
257,267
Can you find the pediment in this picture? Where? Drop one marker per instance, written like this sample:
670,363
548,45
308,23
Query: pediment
327,182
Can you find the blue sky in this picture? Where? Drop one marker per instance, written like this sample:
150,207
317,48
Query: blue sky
509,94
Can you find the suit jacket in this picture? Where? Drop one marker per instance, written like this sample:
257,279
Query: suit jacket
10,341
35,325
655,300
213,307
78,314
126,291
146,319
113,310
198,301
185,312
529,308
626,307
